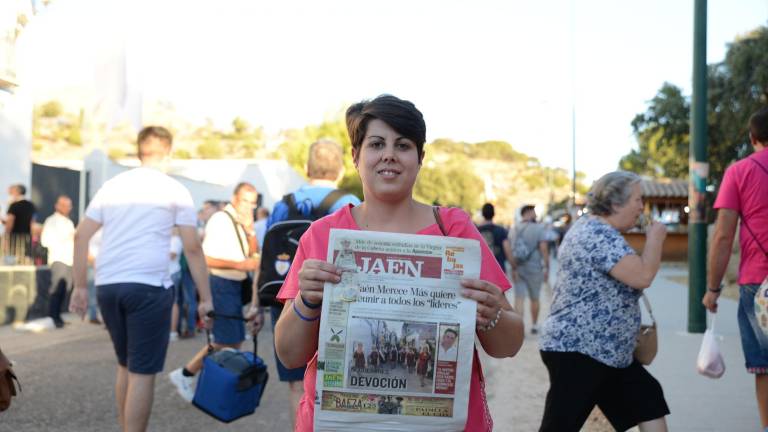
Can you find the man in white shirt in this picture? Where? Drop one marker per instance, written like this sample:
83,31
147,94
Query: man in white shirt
59,237
136,211
231,252
448,350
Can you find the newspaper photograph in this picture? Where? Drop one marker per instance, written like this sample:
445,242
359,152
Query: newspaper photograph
396,337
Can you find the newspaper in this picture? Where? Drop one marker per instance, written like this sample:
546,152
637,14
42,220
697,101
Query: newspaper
396,337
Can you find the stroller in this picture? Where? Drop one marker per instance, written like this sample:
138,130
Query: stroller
231,382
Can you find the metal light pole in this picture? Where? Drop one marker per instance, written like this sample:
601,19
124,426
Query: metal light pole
573,153
698,174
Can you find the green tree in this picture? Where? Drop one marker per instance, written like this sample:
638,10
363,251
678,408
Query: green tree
662,136
450,185
240,126
737,87
210,149
74,136
500,150
51,109
182,154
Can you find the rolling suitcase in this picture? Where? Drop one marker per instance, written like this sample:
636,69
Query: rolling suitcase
231,382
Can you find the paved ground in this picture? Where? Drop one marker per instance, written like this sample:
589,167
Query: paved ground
517,386
67,377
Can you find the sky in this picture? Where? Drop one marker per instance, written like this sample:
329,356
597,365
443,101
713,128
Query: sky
480,70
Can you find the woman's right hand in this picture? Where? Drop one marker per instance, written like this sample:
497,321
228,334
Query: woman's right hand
313,275
656,230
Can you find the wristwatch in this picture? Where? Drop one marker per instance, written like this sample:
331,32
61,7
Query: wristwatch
716,290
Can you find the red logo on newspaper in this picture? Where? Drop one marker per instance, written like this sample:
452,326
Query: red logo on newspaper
394,264
455,268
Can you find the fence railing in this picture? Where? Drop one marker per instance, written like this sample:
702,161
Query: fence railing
22,249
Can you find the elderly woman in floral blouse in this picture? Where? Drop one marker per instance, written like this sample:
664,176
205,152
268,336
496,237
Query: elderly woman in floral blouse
589,337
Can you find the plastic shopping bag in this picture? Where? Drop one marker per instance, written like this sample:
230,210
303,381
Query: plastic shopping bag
710,361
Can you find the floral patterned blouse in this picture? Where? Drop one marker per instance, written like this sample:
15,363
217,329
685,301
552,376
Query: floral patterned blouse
592,313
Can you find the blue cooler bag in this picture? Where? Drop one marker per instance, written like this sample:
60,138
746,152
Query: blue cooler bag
230,384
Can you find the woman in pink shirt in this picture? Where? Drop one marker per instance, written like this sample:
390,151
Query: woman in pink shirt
388,136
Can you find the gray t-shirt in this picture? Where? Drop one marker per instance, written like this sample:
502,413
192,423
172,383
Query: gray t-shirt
532,233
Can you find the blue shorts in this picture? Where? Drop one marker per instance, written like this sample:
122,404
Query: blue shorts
285,374
138,317
754,341
227,300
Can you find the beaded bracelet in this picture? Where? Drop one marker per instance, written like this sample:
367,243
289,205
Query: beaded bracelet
308,304
303,318
492,323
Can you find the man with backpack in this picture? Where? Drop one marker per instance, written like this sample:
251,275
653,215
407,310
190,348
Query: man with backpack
494,235
742,196
290,217
528,254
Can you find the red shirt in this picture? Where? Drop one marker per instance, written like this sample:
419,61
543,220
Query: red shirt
745,190
314,245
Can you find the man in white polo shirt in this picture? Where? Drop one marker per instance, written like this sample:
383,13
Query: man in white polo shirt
136,211
59,237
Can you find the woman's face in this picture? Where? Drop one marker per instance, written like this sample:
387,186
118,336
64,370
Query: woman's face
625,217
387,162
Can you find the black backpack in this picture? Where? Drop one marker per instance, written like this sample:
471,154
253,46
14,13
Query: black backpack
281,241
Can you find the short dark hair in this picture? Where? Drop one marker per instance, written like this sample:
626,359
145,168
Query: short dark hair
758,125
244,185
488,211
21,189
526,208
455,333
401,115
148,132
158,132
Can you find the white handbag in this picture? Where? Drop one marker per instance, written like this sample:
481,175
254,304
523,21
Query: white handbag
761,306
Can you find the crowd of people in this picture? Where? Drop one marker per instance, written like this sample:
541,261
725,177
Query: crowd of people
160,264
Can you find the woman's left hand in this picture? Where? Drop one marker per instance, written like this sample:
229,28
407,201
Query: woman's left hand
489,297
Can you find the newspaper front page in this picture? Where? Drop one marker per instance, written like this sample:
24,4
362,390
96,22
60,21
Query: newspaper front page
396,337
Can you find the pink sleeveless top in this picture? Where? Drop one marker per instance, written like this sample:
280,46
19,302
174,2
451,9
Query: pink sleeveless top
314,245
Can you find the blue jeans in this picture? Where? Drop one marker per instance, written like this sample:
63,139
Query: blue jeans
93,304
754,341
189,297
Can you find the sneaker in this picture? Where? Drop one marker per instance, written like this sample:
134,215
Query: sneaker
534,329
184,385
174,337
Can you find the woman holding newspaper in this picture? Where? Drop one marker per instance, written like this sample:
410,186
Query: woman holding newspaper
388,136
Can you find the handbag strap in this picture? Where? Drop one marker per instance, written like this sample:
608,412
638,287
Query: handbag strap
237,232
439,220
648,308
744,220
